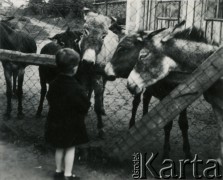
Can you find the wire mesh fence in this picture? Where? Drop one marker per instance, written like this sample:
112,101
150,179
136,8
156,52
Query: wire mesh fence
46,19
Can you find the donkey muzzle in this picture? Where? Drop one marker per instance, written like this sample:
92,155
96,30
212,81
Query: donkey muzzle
133,83
133,88
89,56
109,72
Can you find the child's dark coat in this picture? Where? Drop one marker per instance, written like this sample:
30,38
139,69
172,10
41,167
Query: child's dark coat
69,105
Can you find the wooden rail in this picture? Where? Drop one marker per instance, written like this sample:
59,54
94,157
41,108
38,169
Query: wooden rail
213,19
110,2
30,59
180,98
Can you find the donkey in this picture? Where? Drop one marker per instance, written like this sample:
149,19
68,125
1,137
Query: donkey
97,46
17,40
172,50
47,74
120,66
114,26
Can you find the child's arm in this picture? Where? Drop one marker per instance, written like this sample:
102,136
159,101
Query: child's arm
85,103
48,95
81,101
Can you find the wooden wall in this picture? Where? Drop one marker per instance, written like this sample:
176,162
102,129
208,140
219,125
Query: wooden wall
141,15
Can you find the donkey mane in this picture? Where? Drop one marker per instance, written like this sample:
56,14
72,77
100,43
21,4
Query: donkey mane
192,34
98,22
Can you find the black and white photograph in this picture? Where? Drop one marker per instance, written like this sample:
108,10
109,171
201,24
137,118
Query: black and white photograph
111,89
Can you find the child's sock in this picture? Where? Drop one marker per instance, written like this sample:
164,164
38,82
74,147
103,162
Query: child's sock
69,160
59,160
67,175
59,171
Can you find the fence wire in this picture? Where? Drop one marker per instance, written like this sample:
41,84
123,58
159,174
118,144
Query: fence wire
45,19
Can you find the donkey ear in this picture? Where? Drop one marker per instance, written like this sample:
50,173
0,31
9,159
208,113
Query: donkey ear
54,37
113,19
179,25
68,29
177,28
153,33
167,38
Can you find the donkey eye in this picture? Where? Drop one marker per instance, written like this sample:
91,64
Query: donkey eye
86,32
103,36
142,55
76,40
119,49
61,43
123,49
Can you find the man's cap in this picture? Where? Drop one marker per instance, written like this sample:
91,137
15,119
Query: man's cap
86,9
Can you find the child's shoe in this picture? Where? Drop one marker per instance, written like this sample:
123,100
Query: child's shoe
73,177
58,175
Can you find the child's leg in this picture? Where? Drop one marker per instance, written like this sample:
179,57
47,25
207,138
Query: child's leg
59,156
69,160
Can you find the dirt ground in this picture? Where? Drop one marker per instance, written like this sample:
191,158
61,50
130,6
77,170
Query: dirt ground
21,159
29,159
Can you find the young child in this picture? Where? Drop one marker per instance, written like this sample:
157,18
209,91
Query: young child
68,106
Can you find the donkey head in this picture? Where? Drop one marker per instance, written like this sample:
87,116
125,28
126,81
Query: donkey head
150,68
68,39
125,56
95,30
153,64
115,26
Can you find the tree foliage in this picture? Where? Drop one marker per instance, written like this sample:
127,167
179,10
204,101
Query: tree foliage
60,8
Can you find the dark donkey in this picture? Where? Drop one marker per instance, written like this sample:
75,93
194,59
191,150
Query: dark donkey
13,39
172,50
97,47
68,39
122,63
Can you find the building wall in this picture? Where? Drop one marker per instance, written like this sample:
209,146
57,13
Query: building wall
212,27
193,11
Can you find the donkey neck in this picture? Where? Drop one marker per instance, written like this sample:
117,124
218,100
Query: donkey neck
188,54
